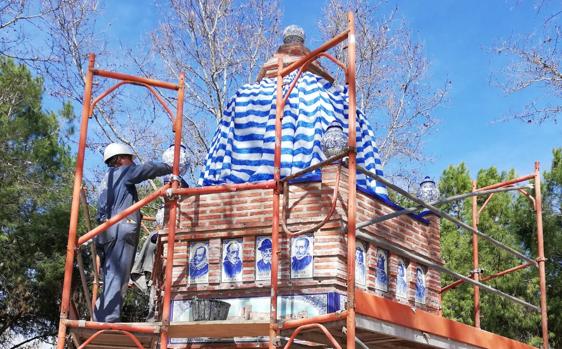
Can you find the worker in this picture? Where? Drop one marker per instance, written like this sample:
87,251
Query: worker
117,245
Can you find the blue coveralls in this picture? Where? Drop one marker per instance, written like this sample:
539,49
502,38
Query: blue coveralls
117,245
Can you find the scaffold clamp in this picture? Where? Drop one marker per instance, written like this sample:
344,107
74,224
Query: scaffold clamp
174,178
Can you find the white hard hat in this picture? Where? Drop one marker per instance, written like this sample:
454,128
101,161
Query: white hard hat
116,149
168,157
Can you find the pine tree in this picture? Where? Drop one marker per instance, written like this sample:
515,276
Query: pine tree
525,226
34,200
498,220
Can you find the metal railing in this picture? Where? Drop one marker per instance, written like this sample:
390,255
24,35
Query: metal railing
505,186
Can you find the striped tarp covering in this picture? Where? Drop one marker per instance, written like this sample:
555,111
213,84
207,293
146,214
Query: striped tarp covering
242,147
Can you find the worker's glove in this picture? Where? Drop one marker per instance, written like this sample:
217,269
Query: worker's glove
154,238
160,217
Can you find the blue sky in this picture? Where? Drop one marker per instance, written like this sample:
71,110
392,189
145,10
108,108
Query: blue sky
457,36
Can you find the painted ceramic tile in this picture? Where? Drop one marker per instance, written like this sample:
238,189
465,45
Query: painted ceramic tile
302,257
402,280
231,260
381,282
420,285
263,258
360,264
199,262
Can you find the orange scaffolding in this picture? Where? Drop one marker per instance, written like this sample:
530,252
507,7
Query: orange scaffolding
172,192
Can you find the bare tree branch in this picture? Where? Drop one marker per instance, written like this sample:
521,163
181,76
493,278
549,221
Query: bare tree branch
71,27
391,79
534,62
18,18
219,45
120,116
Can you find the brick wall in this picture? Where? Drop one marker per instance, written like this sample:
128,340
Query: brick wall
247,215
420,237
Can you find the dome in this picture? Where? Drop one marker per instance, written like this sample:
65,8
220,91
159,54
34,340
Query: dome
243,145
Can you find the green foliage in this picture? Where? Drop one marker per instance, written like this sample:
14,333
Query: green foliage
68,116
34,196
135,306
507,218
552,224
524,225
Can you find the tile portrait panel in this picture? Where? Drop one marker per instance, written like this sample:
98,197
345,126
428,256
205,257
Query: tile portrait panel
381,281
199,262
302,257
231,261
360,264
402,279
263,258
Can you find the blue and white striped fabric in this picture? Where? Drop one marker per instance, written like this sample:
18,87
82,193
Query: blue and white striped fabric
242,147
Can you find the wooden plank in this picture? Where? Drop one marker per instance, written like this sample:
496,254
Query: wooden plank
110,346
381,341
432,325
219,329
397,333
318,337
112,339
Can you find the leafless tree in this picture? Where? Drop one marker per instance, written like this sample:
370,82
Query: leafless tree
73,31
18,18
535,62
393,90
219,44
